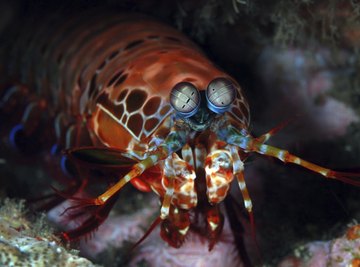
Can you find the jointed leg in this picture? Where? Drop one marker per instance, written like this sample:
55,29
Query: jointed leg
166,203
214,224
219,174
102,204
179,198
136,171
174,141
249,144
238,169
175,227
265,137
170,177
187,155
286,157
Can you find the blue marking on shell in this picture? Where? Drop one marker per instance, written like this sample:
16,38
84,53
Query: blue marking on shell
13,135
54,149
63,165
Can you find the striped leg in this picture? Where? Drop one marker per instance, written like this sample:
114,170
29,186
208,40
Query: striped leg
136,171
249,144
238,170
100,206
200,155
214,224
187,155
184,191
180,196
175,228
173,142
238,167
219,174
286,157
179,184
265,137
168,183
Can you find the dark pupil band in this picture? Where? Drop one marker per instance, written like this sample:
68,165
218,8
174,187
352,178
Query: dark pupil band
220,94
185,99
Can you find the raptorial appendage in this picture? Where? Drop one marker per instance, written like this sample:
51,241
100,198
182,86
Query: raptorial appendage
131,100
222,161
105,158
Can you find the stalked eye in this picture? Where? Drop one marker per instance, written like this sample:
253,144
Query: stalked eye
220,94
185,99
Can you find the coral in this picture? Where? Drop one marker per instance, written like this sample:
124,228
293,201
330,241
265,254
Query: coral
31,243
303,82
291,57
111,244
341,252
116,232
194,252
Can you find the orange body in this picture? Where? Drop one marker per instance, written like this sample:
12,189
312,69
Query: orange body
130,94
106,81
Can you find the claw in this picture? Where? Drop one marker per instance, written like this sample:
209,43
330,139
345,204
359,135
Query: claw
175,228
97,215
115,160
98,158
214,225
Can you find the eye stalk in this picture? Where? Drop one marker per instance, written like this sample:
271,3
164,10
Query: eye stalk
185,99
220,94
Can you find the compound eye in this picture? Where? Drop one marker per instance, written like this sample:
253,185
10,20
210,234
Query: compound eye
185,99
220,94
